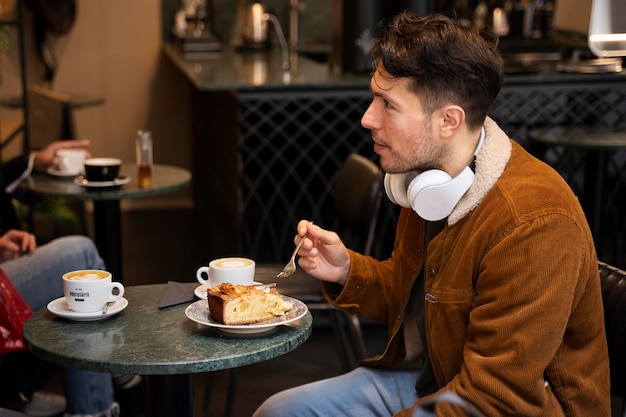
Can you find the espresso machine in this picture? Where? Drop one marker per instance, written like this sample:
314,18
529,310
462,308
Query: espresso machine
193,26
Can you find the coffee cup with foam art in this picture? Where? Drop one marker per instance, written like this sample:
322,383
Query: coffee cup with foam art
234,270
88,291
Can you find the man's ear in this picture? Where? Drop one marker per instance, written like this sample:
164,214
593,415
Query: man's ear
451,117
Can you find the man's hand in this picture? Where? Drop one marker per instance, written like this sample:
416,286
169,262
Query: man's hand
322,254
16,243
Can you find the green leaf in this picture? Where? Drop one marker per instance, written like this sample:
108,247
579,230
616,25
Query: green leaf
5,41
56,210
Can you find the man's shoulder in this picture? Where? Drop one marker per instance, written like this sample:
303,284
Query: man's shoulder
529,187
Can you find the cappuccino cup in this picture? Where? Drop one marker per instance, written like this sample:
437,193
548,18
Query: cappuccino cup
89,290
70,160
237,271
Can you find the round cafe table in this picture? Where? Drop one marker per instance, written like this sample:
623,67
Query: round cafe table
598,143
164,343
106,202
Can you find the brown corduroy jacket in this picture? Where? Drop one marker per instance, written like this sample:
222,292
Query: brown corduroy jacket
514,315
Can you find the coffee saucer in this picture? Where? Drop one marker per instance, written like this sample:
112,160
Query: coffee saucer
61,174
201,290
121,180
60,308
199,312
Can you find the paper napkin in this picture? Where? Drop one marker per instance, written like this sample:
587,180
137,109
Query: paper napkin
178,293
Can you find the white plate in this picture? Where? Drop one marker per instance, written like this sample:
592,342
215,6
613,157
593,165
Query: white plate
60,308
63,174
199,312
121,180
201,290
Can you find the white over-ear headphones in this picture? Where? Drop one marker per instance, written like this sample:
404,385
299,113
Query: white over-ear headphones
433,194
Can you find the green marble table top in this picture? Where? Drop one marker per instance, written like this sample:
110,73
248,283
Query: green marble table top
165,179
145,340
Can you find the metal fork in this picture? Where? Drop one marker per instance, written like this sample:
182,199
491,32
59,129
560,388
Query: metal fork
290,268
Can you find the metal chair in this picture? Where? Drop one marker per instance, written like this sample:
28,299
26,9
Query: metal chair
614,298
357,196
51,117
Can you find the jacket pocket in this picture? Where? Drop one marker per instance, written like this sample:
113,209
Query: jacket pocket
447,313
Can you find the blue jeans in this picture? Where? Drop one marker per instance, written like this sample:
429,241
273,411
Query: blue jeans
362,392
38,279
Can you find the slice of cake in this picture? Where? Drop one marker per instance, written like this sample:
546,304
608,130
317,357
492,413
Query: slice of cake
239,304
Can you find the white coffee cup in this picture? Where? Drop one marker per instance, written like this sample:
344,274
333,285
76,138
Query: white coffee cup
70,160
237,271
89,290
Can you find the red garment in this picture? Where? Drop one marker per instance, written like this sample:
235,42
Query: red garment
13,314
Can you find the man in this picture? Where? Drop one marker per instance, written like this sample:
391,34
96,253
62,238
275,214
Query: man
509,303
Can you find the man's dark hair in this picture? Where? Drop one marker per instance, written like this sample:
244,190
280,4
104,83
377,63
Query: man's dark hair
447,61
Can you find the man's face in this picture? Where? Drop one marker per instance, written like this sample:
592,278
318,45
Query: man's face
401,131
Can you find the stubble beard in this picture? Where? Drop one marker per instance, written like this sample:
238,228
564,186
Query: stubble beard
423,156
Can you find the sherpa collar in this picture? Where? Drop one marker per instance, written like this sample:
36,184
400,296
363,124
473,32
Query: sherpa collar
490,163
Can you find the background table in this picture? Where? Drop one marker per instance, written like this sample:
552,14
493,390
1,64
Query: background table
596,150
145,340
106,210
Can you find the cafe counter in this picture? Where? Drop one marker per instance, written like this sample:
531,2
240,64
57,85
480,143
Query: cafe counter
266,147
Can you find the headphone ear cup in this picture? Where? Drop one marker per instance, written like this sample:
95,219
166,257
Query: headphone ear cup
434,194
395,187
425,193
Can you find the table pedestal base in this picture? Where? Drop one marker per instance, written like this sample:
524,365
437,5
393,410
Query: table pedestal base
170,395
108,235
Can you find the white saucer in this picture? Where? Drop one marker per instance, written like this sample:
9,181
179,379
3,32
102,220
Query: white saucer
199,312
62,174
121,180
201,290
60,308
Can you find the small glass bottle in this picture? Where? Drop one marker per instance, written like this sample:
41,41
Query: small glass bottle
143,152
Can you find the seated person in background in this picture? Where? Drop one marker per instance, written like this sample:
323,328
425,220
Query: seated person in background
36,273
503,307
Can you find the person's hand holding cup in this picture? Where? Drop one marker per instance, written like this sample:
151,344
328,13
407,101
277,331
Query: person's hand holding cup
88,291
71,160
237,271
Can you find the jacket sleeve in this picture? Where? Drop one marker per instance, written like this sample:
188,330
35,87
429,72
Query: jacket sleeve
9,172
368,281
12,169
369,291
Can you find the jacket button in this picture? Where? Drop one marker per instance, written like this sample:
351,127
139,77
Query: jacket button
431,272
